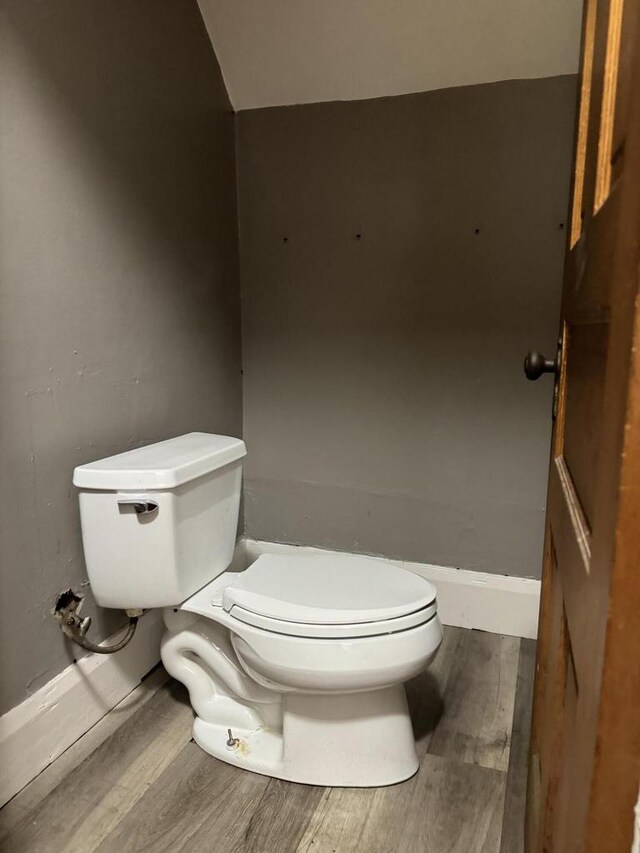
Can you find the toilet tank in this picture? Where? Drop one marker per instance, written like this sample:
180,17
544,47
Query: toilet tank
160,522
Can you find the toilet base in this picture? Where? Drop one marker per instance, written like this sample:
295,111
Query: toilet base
357,740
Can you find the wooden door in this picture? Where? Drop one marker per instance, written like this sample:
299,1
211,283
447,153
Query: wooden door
584,770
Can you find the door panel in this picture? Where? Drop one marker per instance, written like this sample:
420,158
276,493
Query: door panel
584,768
582,127
585,371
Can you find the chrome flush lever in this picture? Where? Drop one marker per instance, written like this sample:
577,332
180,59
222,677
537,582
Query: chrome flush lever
142,506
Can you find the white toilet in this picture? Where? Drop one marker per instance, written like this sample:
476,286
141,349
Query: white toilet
303,658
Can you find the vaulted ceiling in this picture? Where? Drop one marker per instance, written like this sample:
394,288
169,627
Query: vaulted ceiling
276,52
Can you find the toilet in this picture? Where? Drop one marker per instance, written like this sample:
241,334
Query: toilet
295,666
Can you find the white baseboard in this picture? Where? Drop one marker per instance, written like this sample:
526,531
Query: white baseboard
42,727
500,604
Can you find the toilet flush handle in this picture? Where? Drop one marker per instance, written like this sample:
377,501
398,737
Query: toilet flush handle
142,506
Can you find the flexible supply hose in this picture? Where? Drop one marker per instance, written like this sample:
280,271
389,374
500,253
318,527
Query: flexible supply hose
81,640
67,611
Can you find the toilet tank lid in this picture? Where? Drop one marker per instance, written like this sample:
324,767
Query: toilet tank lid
163,465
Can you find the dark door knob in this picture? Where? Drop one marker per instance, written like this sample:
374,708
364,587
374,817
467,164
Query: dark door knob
535,364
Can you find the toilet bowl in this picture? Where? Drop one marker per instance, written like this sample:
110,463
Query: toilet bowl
327,702
296,666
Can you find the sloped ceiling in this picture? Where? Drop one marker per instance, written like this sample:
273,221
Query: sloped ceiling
275,52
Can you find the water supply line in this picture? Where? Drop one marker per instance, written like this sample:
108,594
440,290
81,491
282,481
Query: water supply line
74,627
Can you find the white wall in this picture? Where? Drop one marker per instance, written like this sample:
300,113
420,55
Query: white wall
304,51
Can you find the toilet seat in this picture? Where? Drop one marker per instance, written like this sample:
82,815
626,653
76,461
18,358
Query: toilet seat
335,632
325,592
319,596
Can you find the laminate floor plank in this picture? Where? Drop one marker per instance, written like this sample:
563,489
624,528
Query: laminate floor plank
446,806
425,691
27,800
476,683
99,791
198,804
281,818
339,821
516,792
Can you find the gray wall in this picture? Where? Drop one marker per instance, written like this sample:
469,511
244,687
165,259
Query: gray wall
385,409
119,315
